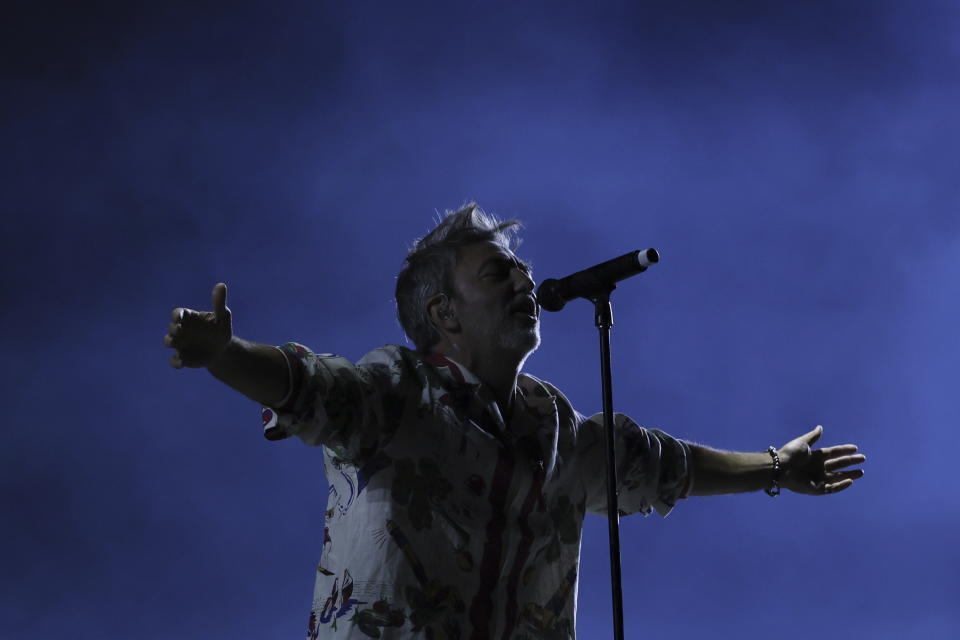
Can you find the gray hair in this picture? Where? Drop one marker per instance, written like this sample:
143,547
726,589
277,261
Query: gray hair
429,265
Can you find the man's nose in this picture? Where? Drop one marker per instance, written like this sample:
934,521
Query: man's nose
522,281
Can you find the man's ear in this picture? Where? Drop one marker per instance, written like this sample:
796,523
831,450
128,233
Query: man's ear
442,314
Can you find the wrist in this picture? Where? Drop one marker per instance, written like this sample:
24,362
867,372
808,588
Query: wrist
776,469
218,357
784,456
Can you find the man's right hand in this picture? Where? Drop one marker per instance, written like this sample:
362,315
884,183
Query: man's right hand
198,338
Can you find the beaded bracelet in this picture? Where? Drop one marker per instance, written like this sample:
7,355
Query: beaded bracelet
774,490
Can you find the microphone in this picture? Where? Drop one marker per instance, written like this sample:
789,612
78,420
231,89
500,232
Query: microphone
596,281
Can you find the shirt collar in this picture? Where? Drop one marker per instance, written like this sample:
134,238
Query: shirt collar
535,397
535,418
451,371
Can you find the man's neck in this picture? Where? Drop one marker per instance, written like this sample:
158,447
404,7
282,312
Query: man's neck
497,371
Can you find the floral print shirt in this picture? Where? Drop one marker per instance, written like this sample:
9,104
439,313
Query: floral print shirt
446,519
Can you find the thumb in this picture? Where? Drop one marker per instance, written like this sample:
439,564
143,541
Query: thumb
219,300
814,435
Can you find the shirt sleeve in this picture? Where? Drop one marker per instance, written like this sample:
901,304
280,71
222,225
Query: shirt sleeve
351,408
653,468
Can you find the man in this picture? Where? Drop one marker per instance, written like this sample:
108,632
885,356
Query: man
458,485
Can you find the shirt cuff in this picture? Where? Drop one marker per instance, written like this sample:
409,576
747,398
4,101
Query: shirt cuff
269,416
688,488
286,398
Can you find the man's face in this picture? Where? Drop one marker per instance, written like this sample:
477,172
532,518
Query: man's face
495,302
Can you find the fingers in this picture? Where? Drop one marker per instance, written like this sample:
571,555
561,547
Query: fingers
219,300
813,435
843,461
839,450
837,487
853,474
836,482
189,318
175,360
173,331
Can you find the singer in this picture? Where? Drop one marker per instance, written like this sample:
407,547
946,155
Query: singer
458,483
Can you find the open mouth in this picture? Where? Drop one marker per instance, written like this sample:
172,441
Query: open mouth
526,310
526,306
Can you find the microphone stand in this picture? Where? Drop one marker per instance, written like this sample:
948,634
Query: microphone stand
604,320
596,284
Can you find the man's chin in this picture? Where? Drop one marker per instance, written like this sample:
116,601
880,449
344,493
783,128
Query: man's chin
522,341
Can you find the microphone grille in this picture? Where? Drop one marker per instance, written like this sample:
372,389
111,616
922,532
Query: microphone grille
549,296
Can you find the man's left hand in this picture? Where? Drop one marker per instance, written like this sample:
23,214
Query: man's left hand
818,471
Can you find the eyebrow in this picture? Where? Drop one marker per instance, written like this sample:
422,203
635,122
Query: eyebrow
514,261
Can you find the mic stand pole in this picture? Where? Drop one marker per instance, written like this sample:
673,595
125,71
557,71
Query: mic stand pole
604,320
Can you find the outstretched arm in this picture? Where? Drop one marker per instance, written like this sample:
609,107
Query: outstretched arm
205,339
802,469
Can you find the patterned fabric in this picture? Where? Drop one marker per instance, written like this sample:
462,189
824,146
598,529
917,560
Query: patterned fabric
443,519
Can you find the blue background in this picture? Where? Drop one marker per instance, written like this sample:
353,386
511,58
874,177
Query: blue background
795,163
